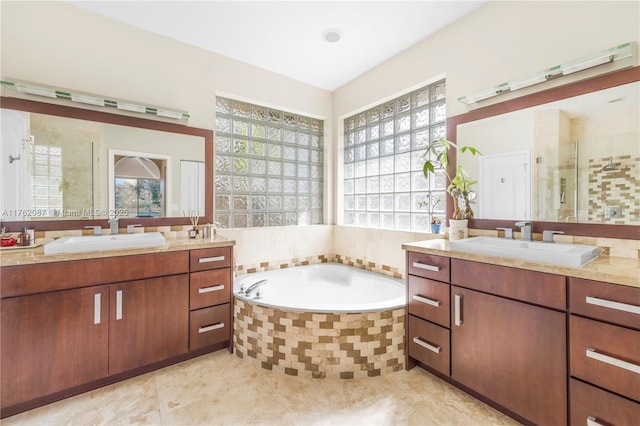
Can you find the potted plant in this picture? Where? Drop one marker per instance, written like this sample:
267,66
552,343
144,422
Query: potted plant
430,204
460,185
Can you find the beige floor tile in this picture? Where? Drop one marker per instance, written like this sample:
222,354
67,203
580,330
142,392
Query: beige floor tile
221,389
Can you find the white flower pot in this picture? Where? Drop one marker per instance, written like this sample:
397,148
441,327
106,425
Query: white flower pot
458,229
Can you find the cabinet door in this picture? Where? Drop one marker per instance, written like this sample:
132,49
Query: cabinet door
53,341
512,353
149,321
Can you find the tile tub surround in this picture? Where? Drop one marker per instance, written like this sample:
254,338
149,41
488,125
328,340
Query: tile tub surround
320,345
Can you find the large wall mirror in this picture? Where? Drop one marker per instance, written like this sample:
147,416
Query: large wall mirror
567,159
65,168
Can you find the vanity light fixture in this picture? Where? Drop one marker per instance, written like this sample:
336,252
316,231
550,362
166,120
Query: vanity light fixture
131,107
617,53
93,100
33,90
169,114
84,99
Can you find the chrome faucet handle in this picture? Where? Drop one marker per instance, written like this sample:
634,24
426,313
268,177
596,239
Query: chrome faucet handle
97,229
525,230
547,236
508,232
130,228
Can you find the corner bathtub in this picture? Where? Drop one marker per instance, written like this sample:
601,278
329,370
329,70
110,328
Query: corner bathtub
323,320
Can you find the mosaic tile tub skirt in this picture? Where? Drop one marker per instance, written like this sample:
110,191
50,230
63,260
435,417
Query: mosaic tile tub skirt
320,345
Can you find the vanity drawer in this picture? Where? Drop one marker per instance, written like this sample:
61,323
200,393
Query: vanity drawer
605,355
429,300
209,326
208,288
535,287
429,344
589,404
429,266
210,258
613,303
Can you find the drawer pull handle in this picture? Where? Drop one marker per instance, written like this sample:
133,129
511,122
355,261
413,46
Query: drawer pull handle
592,421
591,353
426,300
434,268
210,327
613,305
96,308
210,259
210,289
432,348
457,307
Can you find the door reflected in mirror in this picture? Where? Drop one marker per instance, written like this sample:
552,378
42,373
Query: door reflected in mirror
583,165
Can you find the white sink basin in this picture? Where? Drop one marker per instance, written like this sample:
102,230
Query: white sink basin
536,251
104,242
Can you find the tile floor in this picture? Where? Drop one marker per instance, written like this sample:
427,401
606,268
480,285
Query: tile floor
220,388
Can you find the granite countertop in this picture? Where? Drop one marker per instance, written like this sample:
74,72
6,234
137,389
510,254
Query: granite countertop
28,256
615,270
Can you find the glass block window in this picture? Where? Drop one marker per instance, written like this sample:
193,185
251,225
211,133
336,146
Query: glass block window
384,186
46,180
268,168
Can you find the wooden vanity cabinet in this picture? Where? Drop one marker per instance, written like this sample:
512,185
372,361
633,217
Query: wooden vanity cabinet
148,322
506,344
53,341
428,339
604,336
69,324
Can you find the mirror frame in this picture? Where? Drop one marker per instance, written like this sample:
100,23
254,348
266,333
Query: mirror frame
121,120
617,78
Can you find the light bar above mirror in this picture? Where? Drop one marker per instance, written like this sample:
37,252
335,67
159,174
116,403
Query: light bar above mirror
617,53
33,89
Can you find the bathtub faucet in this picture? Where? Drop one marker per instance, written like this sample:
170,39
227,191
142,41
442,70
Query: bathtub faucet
253,288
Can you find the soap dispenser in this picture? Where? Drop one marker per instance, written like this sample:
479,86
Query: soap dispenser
24,238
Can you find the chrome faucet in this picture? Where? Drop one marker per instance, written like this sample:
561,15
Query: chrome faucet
97,229
547,236
130,228
113,226
253,288
525,230
508,232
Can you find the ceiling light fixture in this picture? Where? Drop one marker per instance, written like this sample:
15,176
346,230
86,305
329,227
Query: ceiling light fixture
92,100
617,53
332,35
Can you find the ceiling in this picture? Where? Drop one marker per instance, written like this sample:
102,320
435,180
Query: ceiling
286,37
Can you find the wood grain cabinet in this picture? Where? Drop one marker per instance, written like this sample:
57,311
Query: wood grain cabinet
53,341
68,327
428,339
604,336
210,321
506,348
